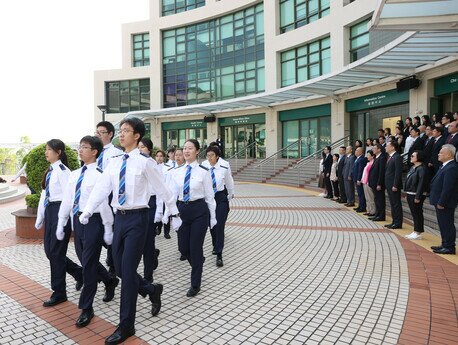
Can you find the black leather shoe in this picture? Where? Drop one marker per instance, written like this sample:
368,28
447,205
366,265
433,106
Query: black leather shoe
167,236
214,252
119,336
436,247
328,197
395,226
355,208
110,290
54,301
79,285
444,250
378,219
85,317
219,261
388,226
155,299
342,202
192,292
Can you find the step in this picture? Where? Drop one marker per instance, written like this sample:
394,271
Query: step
14,194
7,192
3,187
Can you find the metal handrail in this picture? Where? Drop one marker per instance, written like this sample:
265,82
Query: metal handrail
245,149
265,160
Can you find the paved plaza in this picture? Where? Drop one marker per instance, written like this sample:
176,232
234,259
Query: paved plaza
298,269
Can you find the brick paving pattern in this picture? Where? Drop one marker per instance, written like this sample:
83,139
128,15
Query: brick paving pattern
299,269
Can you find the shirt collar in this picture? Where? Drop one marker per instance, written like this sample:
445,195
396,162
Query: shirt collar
107,146
392,153
193,164
135,151
56,164
445,163
91,165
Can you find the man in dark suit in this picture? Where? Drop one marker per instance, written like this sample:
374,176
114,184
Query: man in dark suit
340,167
377,183
444,197
349,184
393,183
418,143
439,141
357,174
452,137
327,164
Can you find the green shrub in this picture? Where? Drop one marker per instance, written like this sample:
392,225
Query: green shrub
32,200
37,165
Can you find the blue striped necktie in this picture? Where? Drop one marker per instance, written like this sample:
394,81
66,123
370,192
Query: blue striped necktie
100,160
122,181
187,180
76,202
212,172
48,178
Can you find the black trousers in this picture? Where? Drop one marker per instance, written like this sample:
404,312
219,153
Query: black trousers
56,252
380,203
417,212
88,246
343,196
222,211
328,185
191,236
446,221
149,252
128,242
335,187
396,206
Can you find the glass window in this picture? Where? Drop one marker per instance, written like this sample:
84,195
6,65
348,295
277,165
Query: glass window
140,50
297,13
306,62
127,95
214,60
177,6
359,40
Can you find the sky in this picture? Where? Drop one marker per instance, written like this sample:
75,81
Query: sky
49,52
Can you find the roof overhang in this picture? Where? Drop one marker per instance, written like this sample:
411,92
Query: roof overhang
406,15
408,54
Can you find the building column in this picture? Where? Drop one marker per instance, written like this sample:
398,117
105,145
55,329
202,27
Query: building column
340,120
419,103
273,132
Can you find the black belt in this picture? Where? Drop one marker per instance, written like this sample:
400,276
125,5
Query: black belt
179,202
94,214
137,210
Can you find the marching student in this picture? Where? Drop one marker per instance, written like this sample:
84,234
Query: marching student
150,253
128,177
88,238
106,131
54,183
223,187
171,157
160,158
192,185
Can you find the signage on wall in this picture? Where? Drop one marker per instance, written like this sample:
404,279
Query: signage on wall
196,124
447,84
376,100
242,120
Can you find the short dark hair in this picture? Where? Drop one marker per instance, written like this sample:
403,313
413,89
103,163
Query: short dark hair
371,153
171,149
214,149
94,142
149,144
357,141
336,155
160,151
213,143
448,115
137,125
195,143
108,125
329,148
394,144
416,129
420,155
438,129
343,147
56,145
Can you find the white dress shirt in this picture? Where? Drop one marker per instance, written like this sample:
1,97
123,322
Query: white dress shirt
109,151
200,185
91,177
141,172
57,184
223,177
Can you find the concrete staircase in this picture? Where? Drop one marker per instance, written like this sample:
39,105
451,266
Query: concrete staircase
299,176
8,193
255,173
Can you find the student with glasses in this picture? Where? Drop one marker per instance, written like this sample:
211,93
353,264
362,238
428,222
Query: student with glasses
88,238
129,177
54,183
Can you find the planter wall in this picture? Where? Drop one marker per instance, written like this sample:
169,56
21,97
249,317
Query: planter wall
25,225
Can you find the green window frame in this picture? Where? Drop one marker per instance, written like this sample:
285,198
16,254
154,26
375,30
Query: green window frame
127,95
306,62
359,40
140,50
297,13
170,7
214,60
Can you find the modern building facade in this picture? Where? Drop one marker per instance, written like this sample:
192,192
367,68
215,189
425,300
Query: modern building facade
272,72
